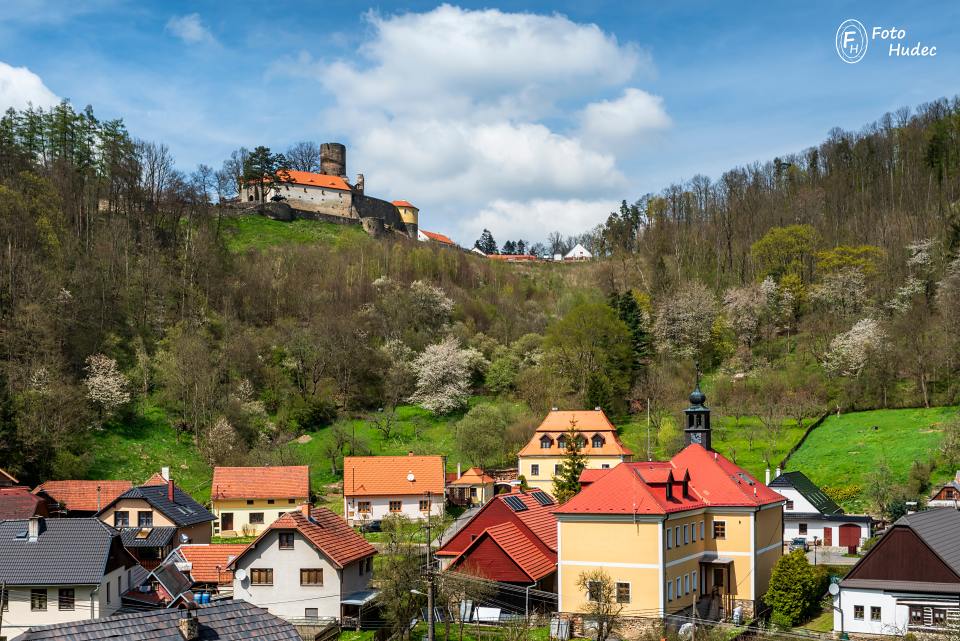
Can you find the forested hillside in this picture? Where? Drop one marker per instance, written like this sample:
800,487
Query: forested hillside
131,297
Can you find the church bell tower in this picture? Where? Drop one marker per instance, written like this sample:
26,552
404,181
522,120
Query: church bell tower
697,429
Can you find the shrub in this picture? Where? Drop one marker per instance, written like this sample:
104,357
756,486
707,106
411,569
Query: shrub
795,589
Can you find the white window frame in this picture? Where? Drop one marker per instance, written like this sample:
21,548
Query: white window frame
669,538
693,580
686,534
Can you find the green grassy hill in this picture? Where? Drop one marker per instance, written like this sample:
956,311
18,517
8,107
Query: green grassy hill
257,232
844,449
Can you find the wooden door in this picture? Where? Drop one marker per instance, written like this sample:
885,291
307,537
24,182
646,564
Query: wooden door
718,581
226,521
828,536
850,536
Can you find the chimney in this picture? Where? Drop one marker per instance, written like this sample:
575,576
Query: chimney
305,510
33,528
458,471
777,472
98,499
767,476
596,409
409,452
170,490
188,624
165,473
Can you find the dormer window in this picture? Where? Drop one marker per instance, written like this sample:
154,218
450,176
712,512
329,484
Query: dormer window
562,442
545,442
581,442
670,492
597,441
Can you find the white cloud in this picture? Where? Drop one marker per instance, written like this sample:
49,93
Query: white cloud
534,219
624,121
190,29
19,87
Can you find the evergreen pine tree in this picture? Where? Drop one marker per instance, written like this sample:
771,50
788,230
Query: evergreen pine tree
486,243
628,310
566,482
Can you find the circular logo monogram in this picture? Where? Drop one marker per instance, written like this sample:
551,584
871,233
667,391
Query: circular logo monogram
852,41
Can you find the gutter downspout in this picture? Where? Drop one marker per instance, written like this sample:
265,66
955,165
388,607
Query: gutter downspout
93,593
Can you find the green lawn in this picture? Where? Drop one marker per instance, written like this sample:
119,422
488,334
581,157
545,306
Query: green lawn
136,448
257,232
821,623
842,451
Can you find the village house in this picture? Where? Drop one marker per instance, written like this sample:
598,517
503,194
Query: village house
469,489
425,236
307,564
908,582
247,499
696,529
153,519
378,486
207,565
600,445
76,498
223,621
166,586
810,514
17,502
511,539
310,191
947,495
60,570
578,252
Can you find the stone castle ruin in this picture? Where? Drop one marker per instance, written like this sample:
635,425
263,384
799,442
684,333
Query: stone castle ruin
329,196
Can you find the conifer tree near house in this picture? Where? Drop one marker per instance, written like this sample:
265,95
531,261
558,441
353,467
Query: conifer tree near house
566,482
486,243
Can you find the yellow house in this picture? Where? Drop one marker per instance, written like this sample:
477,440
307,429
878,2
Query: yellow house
695,531
246,500
540,459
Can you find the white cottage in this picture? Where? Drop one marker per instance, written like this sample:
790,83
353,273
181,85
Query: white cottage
579,252
375,487
811,514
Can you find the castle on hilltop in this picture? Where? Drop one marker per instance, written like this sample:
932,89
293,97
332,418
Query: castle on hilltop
329,196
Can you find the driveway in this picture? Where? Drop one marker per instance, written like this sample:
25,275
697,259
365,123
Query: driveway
828,556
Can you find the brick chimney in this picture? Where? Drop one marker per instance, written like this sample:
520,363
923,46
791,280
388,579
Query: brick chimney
305,510
170,490
188,624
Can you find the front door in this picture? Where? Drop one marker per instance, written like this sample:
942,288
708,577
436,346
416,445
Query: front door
226,521
718,581
850,536
828,536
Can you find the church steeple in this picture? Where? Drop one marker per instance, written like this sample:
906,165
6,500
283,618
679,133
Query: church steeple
697,429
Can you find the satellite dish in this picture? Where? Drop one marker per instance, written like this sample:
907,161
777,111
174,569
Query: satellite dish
411,477
834,589
240,574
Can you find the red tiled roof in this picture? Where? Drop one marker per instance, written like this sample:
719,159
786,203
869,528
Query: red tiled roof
280,482
209,560
82,495
19,503
402,203
156,479
519,547
388,475
513,258
587,422
326,531
590,475
314,180
440,238
473,476
641,488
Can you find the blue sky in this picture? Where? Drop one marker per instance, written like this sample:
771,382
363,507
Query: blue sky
523,117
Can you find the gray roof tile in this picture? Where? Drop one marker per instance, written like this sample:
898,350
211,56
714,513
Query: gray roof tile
183,510
156,537
68,551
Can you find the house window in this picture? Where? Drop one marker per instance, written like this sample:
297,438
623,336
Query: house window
121,518
545,442
473,492
874,613
719,529
556,469
65,599
311,613
256,518
693,580
669,590
597,441
676,535
789,505
669,493
249,501
534,470
701,531
679,586
424,505
916,615
686,584
261,576
291,501
594,589
270,501
858,612
363,507
669,538
5,606
396,506
38,599
939,617
562,442
312,576
108,597
623,592
604,466
145,519
802,528
686,534
286,540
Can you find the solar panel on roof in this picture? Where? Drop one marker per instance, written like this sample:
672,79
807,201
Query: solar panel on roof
514,503
542,498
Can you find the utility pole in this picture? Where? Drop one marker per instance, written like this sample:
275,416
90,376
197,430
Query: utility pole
431,624
649,456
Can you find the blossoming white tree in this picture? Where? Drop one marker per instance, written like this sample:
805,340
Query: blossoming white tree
107,387
443,376
684,320
850,351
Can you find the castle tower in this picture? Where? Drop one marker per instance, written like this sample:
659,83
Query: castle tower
333,159
697,429
410,216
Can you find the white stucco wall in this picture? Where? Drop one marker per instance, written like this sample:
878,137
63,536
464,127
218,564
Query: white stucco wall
380,507
87,604
816,527
800,504
286,597
893,617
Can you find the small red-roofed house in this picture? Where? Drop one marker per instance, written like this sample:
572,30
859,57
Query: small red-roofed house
473,487
247,499
308,563
378,486
79,498
512,539
433,237
206,564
